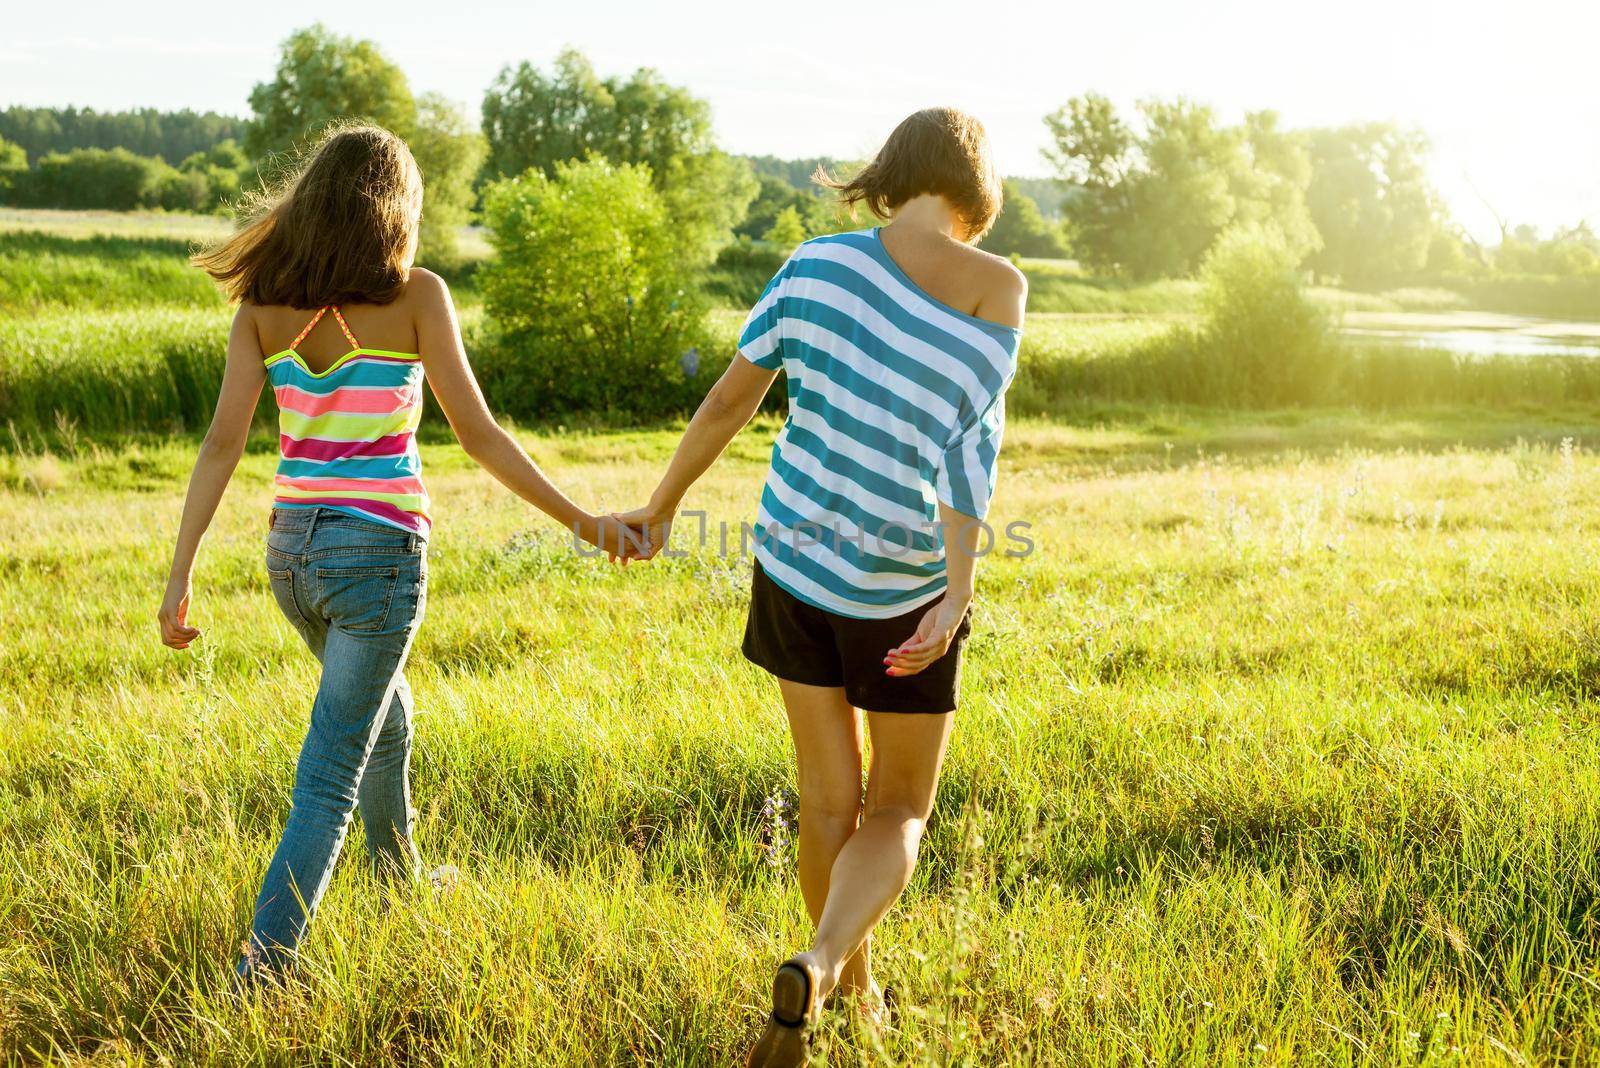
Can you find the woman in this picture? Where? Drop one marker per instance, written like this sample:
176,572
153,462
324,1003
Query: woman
898,344
347,552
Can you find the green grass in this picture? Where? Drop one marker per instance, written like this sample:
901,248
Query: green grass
48,273
1280,749
1054,286
159,225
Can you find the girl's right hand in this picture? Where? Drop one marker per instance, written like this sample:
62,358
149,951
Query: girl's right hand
174,617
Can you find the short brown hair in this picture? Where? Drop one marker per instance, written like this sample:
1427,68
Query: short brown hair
336,232
936,150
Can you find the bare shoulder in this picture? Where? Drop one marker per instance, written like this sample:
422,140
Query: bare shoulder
247,323
425,287
1003,287
427,295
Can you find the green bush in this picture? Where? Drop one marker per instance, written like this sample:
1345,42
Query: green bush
117,180
742,270
587,295
110,179
1261,340
1022,230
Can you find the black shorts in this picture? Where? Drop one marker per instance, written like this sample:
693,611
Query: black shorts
802,643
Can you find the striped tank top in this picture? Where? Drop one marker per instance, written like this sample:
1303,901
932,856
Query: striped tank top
347,435
896,403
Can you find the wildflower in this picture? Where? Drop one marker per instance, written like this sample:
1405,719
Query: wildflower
445,879
774,830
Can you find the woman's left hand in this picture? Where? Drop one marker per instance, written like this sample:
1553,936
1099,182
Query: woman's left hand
930,642
176,633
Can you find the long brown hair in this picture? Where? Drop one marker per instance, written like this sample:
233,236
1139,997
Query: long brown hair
936,150
338,231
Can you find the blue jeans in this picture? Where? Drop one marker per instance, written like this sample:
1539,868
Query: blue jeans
355,591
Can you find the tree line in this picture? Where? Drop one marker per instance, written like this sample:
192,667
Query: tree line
172,136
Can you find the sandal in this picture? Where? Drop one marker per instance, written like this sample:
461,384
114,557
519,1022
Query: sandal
785,1042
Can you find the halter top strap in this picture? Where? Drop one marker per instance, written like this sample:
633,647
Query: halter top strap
317,318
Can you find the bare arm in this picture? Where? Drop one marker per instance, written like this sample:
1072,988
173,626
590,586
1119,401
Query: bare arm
726,410
213,468
444,358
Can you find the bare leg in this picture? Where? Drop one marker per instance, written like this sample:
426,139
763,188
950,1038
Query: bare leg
828,750
875,864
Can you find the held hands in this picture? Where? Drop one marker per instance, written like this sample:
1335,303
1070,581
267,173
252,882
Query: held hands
932,639
648,530
625,536
174,616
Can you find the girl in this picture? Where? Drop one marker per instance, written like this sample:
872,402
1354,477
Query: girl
328,261
898,344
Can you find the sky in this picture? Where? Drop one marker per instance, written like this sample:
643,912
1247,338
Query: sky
1507,91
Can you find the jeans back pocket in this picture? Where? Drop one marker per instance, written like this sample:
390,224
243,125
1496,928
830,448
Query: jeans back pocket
357,599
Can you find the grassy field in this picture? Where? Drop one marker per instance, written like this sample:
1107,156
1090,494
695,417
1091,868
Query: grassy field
1279,749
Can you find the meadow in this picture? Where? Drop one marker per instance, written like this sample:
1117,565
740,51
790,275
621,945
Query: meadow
1280,747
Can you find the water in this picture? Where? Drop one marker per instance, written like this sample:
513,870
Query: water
1519,340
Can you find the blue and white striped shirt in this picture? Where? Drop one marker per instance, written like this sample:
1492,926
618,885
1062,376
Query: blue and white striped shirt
896,402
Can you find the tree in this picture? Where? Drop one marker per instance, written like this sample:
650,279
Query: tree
1023,230
1093,152
534,120
1371,201
171,135
223,169
787,230
1151,201
13,166
587,292
819,212
449,152
323,78
1183,196
1270,190
1568,252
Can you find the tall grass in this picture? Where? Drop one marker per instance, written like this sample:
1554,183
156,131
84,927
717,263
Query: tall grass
118,372
156,369
1555,297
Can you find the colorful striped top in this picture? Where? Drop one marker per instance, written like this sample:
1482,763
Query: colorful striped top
896,402
347,435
